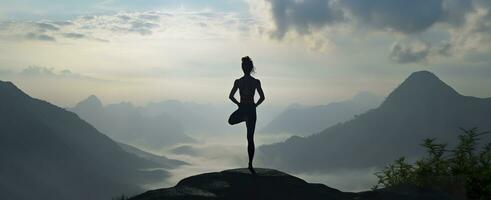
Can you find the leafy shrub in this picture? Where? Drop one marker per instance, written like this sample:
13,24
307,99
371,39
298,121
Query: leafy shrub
467,165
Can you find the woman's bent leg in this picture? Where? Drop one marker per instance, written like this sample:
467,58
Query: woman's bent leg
235,118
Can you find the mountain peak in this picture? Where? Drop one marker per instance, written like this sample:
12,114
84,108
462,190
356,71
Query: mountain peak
90,102
8,89
422,75
4,85
93,97
421,86
427,82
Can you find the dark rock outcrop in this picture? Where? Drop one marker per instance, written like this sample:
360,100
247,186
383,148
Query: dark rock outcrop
270,184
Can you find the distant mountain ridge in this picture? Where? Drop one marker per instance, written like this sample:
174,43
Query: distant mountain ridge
126,123
182,119
421,107
50,153
306,120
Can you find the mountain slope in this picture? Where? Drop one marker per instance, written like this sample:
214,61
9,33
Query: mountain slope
125,123
50,153
421,107
306,120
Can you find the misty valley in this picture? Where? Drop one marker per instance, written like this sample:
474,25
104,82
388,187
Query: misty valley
101,151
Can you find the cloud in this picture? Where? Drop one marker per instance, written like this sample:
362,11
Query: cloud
63,23
123,23
418,52
398,15
43,27
151,17
483,24
74,35
474,36
455,11
45,72
445,49
40,37
402,16
18,30
303,16
142,27
447,27
203,25
37,71
409,54
124,26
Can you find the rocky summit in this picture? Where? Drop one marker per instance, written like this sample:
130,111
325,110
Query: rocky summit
271,184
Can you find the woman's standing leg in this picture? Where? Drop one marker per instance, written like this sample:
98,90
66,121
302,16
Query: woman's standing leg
251,126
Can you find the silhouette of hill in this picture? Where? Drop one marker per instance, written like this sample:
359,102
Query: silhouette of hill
306,120
125,123
421,107
271,184
50,153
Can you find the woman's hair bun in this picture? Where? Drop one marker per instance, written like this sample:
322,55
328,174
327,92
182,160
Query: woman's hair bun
246,59
247,65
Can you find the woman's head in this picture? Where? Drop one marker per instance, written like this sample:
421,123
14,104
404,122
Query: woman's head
247,65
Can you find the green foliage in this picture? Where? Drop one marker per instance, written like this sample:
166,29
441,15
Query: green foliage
396,174
464,165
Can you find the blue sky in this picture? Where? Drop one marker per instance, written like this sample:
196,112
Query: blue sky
310,51
68,9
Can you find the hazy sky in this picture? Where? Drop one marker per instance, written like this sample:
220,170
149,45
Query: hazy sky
306,51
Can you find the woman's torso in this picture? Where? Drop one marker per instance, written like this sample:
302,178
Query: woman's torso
247,88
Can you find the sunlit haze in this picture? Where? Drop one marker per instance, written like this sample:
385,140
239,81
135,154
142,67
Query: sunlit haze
64,51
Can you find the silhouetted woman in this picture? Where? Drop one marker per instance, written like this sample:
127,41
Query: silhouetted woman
247,86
